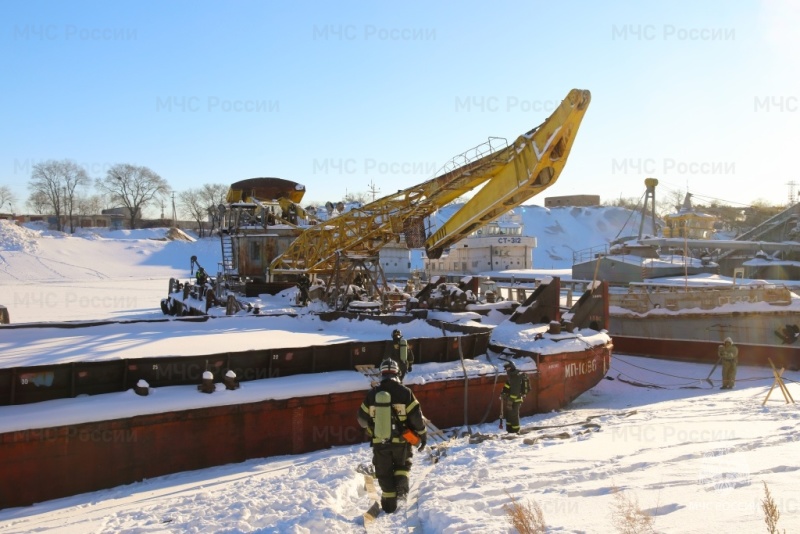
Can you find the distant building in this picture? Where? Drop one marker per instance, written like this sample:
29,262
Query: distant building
113,219
119,218
688,223
498,246
395,259
572,200
80,221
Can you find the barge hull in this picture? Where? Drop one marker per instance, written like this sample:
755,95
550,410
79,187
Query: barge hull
689,350
694,337
49,463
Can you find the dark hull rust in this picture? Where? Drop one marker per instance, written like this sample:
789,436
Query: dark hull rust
44,464
687,350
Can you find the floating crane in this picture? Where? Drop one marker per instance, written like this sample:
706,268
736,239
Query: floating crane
507,175
266,248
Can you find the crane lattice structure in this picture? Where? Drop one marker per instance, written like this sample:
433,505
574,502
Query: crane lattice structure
509,175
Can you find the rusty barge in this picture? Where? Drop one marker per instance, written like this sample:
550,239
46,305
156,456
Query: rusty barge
269,414
689,322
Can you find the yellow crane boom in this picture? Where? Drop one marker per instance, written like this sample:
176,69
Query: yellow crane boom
509,175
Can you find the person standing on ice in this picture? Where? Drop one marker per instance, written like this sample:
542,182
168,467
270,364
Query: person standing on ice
398,350
393,419
729,355
303,284
513,394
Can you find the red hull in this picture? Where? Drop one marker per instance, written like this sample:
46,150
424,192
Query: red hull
43,464
786,356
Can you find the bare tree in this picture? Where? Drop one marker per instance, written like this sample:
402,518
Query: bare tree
759,211
59,183
193,205
92,204
360,197
673,201
630,203
6,197
38,203
89,205
213,195
135,187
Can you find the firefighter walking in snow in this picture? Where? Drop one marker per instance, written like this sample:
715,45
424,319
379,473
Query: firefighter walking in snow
514,391
393,419
398,350
729,354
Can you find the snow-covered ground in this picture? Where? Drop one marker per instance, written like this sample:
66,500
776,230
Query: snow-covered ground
693,457
95,274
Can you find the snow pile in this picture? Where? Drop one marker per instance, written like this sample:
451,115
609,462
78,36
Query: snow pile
560,231
177,234
17,238
537,339
124,234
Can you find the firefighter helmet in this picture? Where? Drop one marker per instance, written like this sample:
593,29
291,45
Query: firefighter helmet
389,367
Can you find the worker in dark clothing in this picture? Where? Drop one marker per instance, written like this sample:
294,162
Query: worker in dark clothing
303,284
389,411
398,350
512,396
201,276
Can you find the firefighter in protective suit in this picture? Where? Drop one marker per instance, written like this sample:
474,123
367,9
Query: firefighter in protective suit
512,397
303,284
398,350
389,411
729,354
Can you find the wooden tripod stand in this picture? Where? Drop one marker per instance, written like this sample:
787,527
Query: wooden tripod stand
778,382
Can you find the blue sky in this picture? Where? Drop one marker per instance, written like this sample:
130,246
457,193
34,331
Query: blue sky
336,96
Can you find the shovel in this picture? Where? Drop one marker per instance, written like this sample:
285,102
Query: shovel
708,378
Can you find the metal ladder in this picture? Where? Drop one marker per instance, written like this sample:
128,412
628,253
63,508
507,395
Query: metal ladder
228,270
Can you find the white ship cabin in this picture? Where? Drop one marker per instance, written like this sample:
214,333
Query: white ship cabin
498,246
688,223
395,259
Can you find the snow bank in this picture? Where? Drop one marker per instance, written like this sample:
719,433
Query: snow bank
17,238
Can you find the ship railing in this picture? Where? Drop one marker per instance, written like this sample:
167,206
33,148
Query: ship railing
492,145
588,254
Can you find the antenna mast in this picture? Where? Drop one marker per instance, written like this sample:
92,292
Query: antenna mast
373,190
